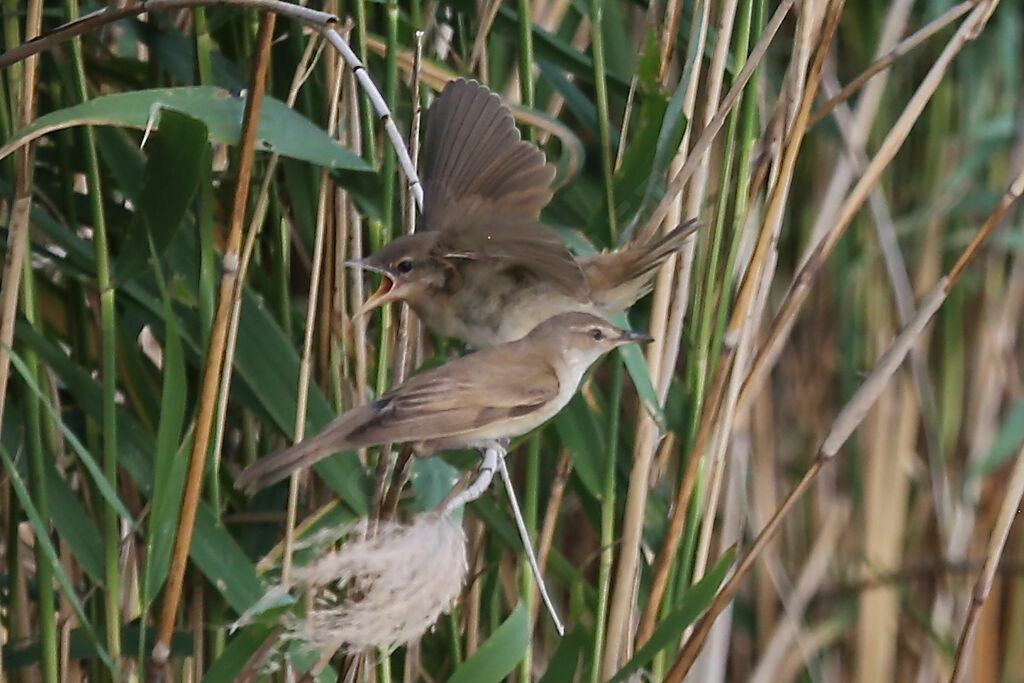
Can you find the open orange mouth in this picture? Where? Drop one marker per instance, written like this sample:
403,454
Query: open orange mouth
386,293
386,285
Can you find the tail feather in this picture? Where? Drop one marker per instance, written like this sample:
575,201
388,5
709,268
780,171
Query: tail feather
277,466
617,279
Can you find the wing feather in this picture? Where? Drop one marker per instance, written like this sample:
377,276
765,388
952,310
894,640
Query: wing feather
485,187
448,400
477,166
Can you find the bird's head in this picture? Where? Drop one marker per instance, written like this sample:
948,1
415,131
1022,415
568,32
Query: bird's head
408,267
583,337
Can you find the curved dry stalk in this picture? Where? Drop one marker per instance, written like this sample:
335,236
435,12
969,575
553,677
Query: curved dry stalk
215,354
112,13
322,22
381,107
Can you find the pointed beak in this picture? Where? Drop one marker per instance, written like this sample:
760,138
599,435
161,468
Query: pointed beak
364,264
386,293
633,337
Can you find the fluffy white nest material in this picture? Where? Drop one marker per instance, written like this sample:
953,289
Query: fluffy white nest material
382,591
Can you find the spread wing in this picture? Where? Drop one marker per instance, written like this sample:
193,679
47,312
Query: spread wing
466,395
484,188
477,166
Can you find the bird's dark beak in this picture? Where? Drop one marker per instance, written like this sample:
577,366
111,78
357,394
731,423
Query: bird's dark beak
633,337
386,293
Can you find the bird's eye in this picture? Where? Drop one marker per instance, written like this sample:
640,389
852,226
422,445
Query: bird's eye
404,266
596,334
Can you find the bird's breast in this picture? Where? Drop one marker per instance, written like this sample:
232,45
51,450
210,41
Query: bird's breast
499,305
485,305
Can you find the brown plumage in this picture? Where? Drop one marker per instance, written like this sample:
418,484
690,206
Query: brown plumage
487,396
483,269
484,187
618,278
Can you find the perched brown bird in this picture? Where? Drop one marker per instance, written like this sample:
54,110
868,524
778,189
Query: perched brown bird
470,402
483,269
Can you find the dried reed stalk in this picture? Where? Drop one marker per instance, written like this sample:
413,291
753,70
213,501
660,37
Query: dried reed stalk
215,354
848,419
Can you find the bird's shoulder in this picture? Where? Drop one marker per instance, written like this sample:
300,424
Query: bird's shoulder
522,245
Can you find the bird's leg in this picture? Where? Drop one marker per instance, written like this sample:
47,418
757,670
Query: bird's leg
528,544
494,453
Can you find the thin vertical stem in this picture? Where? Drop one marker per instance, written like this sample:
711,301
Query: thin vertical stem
603,119
205,198
215,353
18,247
366,111
530,502
604,572
306,363
108,360
668,310
526,57
34,437
204,47
18,226
391,96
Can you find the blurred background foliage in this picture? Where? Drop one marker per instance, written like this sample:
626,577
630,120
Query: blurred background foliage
116,308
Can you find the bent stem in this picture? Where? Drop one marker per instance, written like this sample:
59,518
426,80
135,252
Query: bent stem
494,459
528,545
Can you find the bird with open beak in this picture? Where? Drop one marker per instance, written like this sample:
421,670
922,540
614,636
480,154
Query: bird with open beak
475,401
483,269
